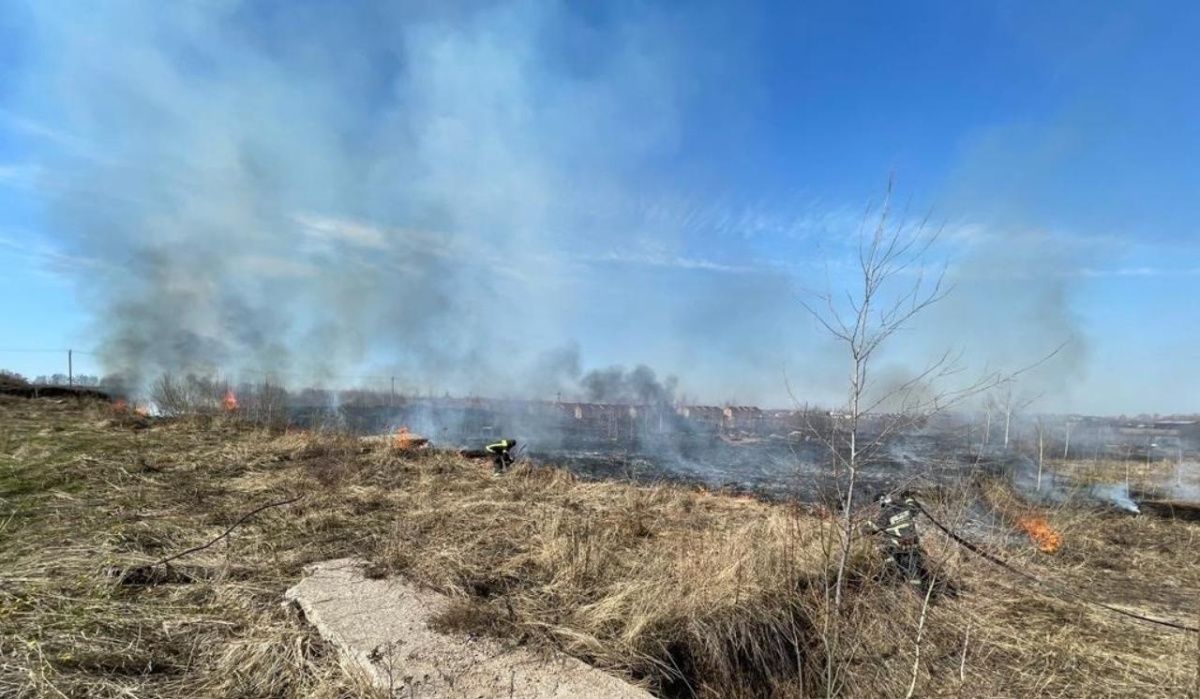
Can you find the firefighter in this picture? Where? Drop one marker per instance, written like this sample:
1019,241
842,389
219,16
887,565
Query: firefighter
501,456
896,526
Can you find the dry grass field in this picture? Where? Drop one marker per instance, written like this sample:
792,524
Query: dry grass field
685,592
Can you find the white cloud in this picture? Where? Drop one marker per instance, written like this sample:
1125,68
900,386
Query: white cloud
656,259
1139,272
353,232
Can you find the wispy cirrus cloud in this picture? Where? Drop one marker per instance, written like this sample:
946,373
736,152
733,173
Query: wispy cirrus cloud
1139,272
344,230
31,127
45,258
669,261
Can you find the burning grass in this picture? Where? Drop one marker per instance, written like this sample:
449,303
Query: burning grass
684,591
1047,539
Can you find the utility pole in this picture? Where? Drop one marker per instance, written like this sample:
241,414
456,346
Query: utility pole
70,368
393,391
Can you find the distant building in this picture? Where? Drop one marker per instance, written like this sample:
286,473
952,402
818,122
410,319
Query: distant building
742,418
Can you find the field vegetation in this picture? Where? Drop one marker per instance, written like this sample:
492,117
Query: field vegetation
686,592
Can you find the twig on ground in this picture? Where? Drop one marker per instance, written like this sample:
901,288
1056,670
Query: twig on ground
223,534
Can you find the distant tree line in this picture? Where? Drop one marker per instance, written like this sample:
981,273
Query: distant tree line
77,380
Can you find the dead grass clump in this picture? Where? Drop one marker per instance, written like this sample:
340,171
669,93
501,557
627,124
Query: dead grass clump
681,588
83,614
472,616
281,659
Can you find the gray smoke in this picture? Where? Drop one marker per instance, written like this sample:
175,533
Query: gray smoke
346,190
639,386
554,373
446,194
1009,310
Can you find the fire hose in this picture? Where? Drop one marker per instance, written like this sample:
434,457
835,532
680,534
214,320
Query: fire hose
1061,591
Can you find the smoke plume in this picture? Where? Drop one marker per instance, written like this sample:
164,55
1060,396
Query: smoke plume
429,193
639,386
469,197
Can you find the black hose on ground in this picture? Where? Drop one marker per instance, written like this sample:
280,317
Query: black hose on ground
1061,591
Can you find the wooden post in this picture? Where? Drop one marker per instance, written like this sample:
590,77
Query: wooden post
70,368
1196,688
393,391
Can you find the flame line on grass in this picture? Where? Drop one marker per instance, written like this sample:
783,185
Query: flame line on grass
973,548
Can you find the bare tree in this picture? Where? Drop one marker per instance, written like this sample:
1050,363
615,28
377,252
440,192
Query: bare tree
1014,402
892,289
191,395
1008,411
1040,426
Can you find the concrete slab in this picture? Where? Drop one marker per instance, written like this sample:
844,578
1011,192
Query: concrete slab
382,626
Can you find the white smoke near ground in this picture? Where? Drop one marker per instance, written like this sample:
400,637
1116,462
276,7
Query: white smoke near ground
1117,494
1186,484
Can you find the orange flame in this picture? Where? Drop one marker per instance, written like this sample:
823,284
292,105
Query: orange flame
230,402
405,440
120,406
1041,533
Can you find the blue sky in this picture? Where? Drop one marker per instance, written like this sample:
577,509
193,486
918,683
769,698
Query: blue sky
454,195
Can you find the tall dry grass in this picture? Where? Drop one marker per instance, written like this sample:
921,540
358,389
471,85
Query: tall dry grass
687,592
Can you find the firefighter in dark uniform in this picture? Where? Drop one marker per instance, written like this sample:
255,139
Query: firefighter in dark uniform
896,526
501,456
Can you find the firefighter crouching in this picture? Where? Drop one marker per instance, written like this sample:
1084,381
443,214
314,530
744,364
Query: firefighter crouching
896,526
501,455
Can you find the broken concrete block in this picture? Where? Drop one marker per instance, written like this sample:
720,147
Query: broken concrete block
383,627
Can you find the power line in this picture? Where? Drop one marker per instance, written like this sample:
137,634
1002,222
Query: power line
45,351
389,379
